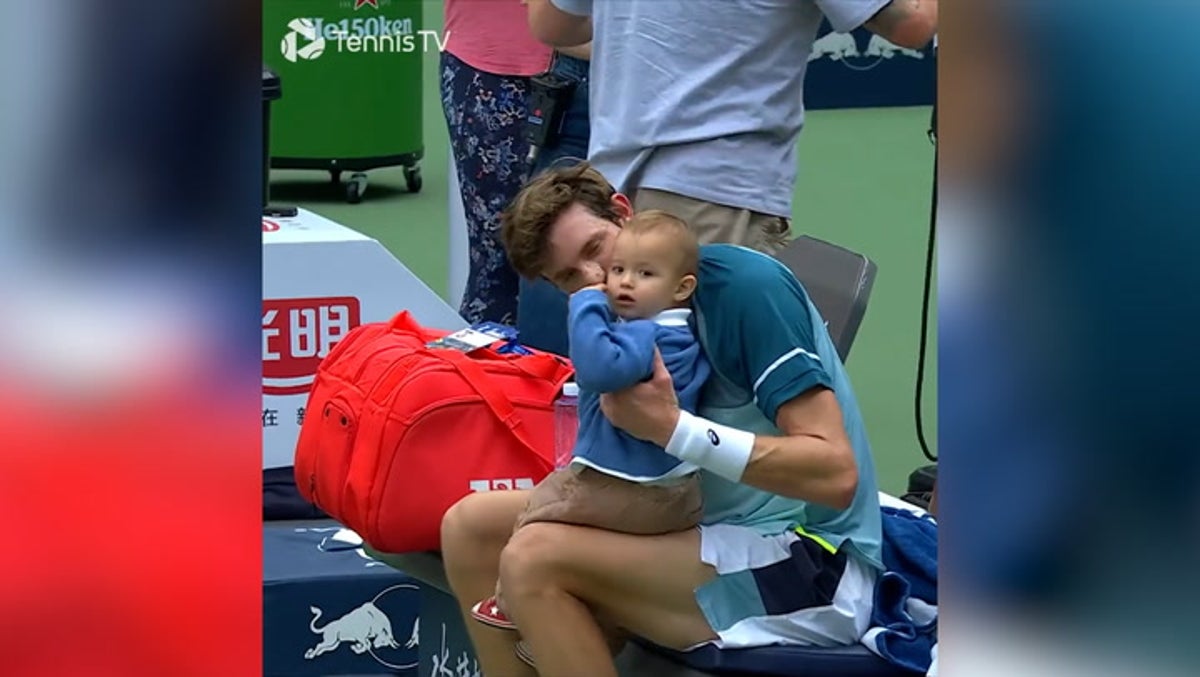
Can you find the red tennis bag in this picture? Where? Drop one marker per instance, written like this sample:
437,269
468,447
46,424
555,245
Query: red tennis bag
394,433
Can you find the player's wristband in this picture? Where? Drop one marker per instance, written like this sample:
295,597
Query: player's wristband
719,449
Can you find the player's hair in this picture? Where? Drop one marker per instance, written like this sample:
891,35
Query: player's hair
525,224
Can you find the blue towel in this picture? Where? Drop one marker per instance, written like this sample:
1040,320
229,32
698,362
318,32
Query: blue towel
910,549
904,621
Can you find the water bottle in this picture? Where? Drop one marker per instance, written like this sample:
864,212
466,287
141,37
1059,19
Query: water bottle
566,424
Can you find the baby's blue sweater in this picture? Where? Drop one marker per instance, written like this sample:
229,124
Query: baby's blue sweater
611,354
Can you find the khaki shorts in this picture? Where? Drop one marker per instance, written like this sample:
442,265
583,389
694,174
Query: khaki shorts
590,498
718,223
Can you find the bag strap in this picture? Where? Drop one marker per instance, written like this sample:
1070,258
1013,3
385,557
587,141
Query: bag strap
499,404
544,366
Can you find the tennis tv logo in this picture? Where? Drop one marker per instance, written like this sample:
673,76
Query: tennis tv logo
314,43
308,38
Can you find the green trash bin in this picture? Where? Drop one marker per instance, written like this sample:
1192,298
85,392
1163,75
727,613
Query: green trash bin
353,72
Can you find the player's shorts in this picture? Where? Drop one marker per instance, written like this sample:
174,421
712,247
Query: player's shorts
782,589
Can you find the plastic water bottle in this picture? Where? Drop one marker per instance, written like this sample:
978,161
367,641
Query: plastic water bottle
566,424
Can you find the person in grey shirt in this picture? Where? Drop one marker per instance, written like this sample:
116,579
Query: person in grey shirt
696,105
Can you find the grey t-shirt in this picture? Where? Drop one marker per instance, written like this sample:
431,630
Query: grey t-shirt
705,97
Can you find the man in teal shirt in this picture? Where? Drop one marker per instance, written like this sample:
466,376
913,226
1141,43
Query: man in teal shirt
789,548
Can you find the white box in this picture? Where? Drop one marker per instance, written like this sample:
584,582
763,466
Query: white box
320,280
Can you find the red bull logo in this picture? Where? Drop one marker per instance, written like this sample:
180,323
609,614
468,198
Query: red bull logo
369,629
297,334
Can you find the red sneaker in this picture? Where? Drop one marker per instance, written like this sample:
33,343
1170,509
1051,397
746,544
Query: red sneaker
488,612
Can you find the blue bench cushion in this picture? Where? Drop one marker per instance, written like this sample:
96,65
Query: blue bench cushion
778,661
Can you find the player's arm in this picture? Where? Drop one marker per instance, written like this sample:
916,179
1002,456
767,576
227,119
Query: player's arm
607,356
776,341
908,23
813,460
561,23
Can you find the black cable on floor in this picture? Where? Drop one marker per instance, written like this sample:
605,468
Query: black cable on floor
929,256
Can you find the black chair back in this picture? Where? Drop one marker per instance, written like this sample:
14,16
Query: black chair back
838,280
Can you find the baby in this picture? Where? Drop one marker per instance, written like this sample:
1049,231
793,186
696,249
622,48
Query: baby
616,481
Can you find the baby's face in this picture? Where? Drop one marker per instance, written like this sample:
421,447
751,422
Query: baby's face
644,276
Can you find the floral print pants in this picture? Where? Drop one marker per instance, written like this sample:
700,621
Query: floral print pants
484,115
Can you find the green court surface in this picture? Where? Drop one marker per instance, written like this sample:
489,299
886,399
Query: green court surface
864,183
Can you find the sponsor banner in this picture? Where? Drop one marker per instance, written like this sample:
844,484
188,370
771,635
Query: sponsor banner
863,70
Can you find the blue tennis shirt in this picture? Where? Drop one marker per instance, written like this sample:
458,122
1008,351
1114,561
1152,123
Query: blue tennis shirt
767,344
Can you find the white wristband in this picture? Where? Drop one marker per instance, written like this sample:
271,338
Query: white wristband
719,449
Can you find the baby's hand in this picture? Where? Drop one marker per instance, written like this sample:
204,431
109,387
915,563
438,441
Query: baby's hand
599,286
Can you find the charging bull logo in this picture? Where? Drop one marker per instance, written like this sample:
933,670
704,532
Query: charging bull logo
297,334
364,628
843,47
367,629
881,47
835,46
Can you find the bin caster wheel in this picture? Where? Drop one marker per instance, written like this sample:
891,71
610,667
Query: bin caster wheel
412,178
355,187
335,176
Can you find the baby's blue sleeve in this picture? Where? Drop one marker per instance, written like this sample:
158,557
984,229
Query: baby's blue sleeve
607,355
